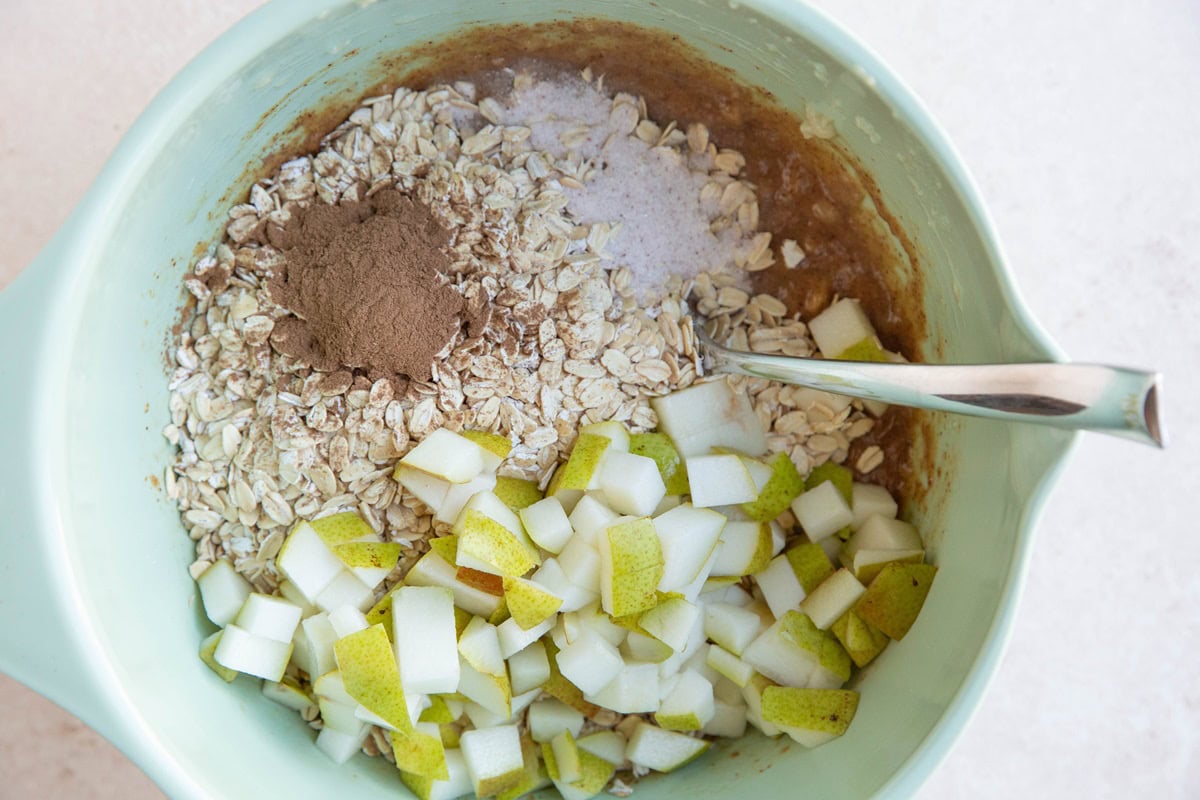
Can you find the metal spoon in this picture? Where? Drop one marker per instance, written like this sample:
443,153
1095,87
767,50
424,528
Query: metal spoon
1113,400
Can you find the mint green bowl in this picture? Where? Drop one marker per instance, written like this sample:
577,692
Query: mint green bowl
96,608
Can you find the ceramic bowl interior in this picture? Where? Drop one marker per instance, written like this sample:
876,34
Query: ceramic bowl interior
114,547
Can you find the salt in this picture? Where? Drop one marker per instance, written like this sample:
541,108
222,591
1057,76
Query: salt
651,194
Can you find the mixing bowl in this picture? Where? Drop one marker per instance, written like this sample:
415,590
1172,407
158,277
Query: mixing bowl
96,608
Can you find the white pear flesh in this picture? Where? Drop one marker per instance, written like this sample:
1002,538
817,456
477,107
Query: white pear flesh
732,627
689,705
635,690
580,562
867,500
253,655
631,483
345,590
347,620
459,494
608,745
662,751
548,718
728,721
223,591
479,644
269,617
719,480
446,455
612,430
339,746
314,645
822,511
708,415
288,695
590,662
688,536
840,326
547,524
528,668
433,570
428,489
832,598
780,587
729,666
493,757
590,516
493,692
883,533
424,638
515,639
551,577
671,622
307,562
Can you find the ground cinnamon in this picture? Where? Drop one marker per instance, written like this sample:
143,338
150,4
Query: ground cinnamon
366,283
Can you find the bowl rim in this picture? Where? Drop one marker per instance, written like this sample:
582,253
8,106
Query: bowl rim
62,264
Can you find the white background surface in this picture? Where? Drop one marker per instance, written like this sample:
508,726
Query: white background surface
1079,121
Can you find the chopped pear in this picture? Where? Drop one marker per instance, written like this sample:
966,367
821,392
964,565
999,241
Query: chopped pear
631,566
313,651
614,431
822,511
341,746
534,776
371,675
223,591
867,349
708,415
429,490
866,564
794,652
446,547
459,494
659,447
269,617
840,476
688,536
430,789
861,640
590,617
580,563
517,493
494,758
811,565
421,752
425,641
529,603
752,694
641,647
288,694
689,706
811,717
307,562
784,486
347,620
345,590
670,622
483,581
343,528
370,562
634,690
566,757
589,662
836,594
493,692
730,626
528,668
577,473
720,480
438,712
548,718
729,721
546,523
259,656
479,644
729,665
663,751
745,548
780,587
831,667
590,516
289,592
515,639
487,545
607,745
894,599
207,648
631,483
434,570
840,326
449,456
867,500
561,688
595,773
884,533
494,443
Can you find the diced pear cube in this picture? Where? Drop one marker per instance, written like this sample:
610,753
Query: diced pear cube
663,751
822,511
688,536
339,746
425,487
589,662
347,620
867,500
708,415
345,590
635,690
608,745
314,645
840,326
528,668
433,570
614,431
446,455
780,587
307,562
731,627
269,617
590,516
459,494
548,718
720,480
553,579
834,597
689,706
546,523
254,655
425,640
631,484
222,591
514,639
745,548
494,758
811,717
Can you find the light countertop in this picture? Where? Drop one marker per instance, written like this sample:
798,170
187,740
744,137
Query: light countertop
1081,128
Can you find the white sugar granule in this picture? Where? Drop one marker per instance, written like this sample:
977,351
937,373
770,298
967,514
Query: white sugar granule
652,192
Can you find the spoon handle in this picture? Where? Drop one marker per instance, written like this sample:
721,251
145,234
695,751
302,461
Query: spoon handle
1122,402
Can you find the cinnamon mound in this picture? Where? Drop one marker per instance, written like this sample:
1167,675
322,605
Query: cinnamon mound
366,283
